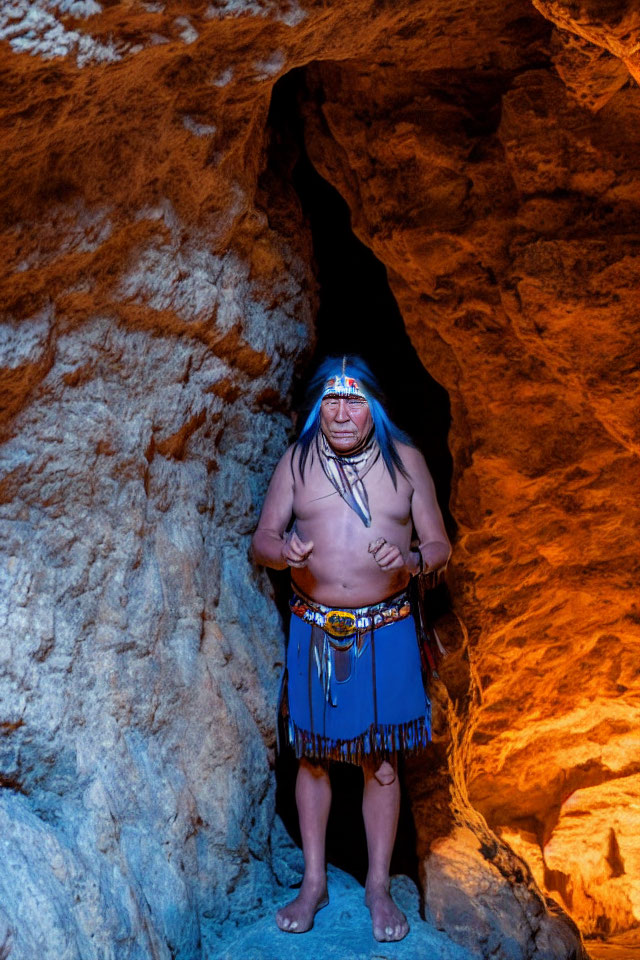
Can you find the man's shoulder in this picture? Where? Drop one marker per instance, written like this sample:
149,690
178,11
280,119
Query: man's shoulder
409,455
288,454
284,464
413,462
288,458
291,459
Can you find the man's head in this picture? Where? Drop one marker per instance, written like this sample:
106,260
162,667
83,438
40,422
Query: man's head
345,417
347,424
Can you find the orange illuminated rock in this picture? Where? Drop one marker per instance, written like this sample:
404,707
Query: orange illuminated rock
614,27
592,855
512,250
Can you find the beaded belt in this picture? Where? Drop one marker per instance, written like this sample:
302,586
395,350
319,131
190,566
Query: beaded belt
343,624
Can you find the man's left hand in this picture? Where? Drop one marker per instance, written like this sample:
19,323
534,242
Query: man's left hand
387,555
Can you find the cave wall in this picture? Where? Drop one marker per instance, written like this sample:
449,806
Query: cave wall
505,210
156,302
152,321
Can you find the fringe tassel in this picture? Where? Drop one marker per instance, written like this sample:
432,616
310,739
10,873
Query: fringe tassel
378,741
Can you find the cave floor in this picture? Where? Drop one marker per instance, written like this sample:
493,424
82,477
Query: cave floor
342,931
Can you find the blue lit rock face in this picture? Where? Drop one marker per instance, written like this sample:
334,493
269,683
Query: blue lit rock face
342,930
158,296
140,648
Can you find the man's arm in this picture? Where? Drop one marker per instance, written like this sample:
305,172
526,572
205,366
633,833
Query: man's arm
269,545
434,546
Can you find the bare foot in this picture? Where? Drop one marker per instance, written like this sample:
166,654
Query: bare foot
385,774
389,922
297,916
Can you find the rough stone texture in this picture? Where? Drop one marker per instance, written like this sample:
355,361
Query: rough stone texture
144,361
506,214
156,301
587,874
612,25
137,688
508,226
623,946
342,930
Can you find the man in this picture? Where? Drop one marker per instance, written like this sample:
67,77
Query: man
341,511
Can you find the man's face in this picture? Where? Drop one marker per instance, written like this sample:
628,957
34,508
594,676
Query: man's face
345,422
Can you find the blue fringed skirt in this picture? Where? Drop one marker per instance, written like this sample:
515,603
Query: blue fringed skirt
369,700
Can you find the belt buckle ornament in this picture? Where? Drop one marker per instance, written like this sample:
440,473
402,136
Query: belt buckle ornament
340,623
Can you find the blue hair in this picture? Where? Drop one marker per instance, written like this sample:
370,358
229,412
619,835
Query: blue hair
386,432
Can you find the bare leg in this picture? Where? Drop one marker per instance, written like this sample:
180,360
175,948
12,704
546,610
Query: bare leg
380,809
313,798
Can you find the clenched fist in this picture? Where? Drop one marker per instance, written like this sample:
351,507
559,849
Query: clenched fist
387,555
296,552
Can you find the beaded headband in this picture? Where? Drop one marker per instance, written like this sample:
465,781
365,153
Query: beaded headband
341,385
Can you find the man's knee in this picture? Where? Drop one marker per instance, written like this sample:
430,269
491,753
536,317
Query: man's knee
385,773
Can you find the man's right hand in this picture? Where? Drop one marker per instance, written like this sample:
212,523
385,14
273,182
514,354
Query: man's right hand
295,551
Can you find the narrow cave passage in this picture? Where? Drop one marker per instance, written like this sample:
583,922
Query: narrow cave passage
357,313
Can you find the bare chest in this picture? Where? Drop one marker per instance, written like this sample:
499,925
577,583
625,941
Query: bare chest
316,500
